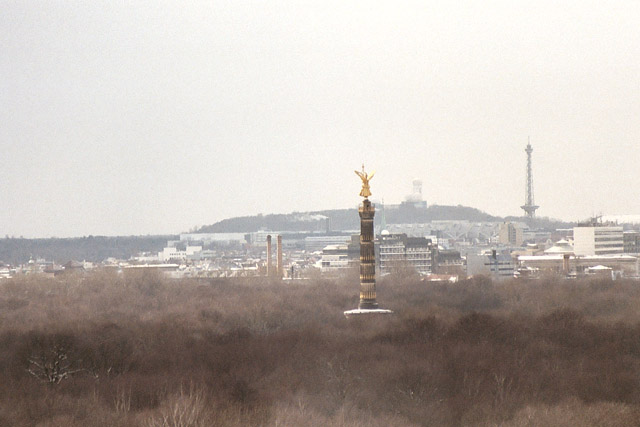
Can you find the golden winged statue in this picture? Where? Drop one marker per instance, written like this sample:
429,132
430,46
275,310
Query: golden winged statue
366,191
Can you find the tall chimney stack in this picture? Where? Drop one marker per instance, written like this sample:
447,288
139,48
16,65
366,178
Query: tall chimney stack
565,264
269,266
279,265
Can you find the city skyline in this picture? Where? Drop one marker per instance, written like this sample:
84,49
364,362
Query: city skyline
152,119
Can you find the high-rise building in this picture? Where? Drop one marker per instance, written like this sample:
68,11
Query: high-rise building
510,234
594,239
397,249
631,242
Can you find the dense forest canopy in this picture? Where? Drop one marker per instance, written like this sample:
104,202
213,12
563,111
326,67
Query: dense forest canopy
137,349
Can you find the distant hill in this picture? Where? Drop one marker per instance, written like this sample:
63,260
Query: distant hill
344,219
296,221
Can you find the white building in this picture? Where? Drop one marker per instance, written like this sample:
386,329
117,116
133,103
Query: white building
334,257
620,264
173,253
318,243
598,240
397,249
561,247
208,238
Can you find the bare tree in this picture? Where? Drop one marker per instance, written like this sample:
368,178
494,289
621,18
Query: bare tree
53,366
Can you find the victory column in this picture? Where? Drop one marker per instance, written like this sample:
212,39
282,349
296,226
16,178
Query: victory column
368,303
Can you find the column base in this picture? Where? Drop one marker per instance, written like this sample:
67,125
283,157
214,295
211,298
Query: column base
368,305
365,311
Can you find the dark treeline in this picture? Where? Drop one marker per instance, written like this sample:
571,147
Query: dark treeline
89,248
545,223
136,349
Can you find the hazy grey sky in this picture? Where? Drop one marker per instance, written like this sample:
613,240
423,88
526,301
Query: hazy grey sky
153,117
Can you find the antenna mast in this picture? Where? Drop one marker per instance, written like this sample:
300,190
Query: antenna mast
529,205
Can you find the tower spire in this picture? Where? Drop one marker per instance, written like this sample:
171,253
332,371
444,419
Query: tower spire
529,206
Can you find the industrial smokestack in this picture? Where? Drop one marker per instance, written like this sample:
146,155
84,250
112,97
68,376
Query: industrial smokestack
279,265
269,266
565,264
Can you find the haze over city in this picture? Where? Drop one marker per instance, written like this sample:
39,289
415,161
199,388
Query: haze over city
152,118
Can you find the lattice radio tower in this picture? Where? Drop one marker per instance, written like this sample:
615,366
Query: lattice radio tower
529,205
